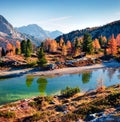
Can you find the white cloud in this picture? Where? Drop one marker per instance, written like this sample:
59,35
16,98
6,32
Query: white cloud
59,18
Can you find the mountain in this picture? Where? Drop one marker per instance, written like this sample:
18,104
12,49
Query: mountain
105,30
9,34
7,28
33,30
55,34
38,32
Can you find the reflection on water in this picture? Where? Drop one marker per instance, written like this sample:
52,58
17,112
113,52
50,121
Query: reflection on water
42,83
86,77
21,87
29,80
111,72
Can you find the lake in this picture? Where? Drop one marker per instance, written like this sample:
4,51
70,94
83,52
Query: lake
22,87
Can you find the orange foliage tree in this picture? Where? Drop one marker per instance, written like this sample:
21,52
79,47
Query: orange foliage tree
118,40
61,43
96,44
53,46
18,44
69,47
113,45
10,49
64,50
18,47
47,44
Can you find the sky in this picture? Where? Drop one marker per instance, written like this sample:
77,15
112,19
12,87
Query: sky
63,15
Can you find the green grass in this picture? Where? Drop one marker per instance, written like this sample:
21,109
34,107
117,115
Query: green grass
69,92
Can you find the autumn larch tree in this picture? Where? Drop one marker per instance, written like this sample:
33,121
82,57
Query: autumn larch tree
113,45
96,45
61,42
118,42
69,47
64,50
9,49
47,45
53,46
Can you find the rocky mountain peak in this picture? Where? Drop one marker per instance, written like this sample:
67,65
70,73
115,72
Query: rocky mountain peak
5,26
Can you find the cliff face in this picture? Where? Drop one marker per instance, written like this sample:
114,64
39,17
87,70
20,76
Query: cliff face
105,30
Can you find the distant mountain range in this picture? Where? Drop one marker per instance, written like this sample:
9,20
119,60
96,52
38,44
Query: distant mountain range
105,30
33,32
38,32
9,34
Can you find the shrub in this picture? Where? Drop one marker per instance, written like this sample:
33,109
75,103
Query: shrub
36,116
48,99
32,64
70,117
69,92
7,114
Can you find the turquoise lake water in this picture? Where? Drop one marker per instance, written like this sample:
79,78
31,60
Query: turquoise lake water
22,87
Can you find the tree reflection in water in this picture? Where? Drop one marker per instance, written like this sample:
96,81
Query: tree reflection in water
42,83
111,72
86,77
29,80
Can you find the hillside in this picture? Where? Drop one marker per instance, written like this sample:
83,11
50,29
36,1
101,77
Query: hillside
38,32
105,30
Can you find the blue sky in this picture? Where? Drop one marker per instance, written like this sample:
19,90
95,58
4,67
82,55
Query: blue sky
63,15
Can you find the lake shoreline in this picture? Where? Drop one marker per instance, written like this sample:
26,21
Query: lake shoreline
58,105
58,72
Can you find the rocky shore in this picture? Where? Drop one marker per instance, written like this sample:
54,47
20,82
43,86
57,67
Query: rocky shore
56,72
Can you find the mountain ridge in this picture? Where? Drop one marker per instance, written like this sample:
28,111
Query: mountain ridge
105,30
38,32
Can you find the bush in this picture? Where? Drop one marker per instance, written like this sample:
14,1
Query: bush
36,117
69,92
32,64
7,114
48,99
